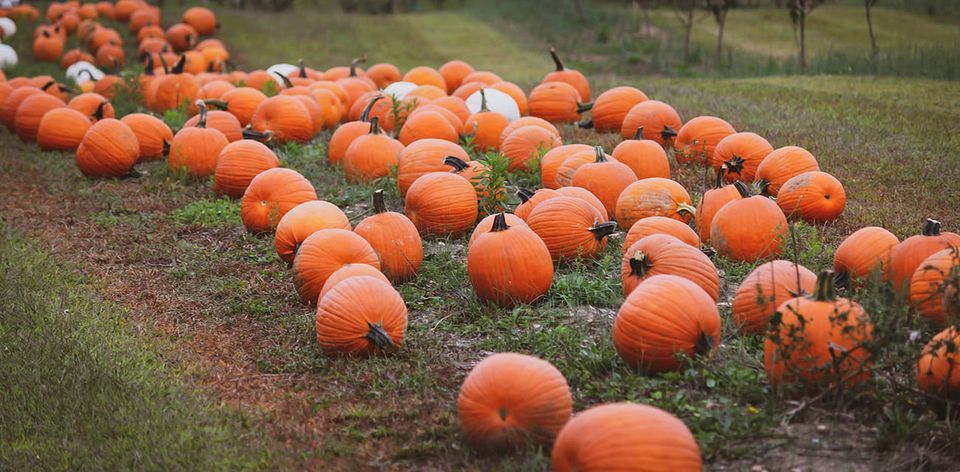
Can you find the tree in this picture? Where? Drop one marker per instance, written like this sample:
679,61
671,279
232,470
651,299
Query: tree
799,9
719,8
686,11
874,51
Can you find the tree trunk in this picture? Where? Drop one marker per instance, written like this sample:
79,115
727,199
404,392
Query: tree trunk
579,7
721,24
874,51
686,39
645,4
803,39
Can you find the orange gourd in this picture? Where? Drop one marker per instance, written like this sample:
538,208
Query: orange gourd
423,157
195,150
153,135
524,145
907,256
395,239
664,254
568,76
238,163
864,253
815,197
371,156
604,178
765,289
62,129
442,203
108,149
323,253
551,161
361,316
937,371
270,195
302,221
749,229
928,283
655,196
697,139
509,264
658,121
644,157
742,154
612,106
660,225
570,228
781,165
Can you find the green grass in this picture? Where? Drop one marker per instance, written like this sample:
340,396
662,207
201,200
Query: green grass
80,391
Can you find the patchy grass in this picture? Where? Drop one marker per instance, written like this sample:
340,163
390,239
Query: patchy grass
209,213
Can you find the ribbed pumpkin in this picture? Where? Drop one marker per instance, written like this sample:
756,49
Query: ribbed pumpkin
242,102
653,197
442,203
781,165
741,153
569,167
93,105
528,121
486,224
195,150
818,341
570,227
62,129
664,254
453,73
927,285
348,271
214,89
511,400
108,149
361,316
238,163
529,201
665,316
509,264
551,161
423,157
815,197
697,139
937,370
343,136
612,106
556,102
153,135
284,118
8,111
863,253
302,221
568,76
765,289
322,253
609,437
749,229
74,56
221,121
907,256
181,37
660,225
644,157
395,239
427,125
584,195
658,121
372,155
526,144
383,74
604,178
515,92
423,75
485,126
455,105
201,19
173,90
47,47
712,201
270,195
26,122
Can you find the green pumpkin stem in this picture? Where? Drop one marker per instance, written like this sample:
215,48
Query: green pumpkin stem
379,337
931,227
202,123
640,264
354,62
216,103
303,68
525,195
685,208
284,79
602,230
365,116
458,164
584,107
824,291
375,125
499,223
601,156
668,133
762,186
483,101
742,188
556,60
720,173
178,67
378,205
638,136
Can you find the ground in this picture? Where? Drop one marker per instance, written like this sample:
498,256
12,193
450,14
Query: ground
197,323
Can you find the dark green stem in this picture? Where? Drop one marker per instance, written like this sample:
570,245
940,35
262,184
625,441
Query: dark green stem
602,230
824,289
499,223
378,205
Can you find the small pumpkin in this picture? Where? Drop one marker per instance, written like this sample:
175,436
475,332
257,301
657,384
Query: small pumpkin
781,165
929,281
586,196
395,239
529,201
568,76
749,229
660,225
361,316
284,118
424,75
348,271
153,135
604,178
238,163
26,121
551,161
712,201
453,73
697,139
654,196
423,157
907,256
664,254
428,124
241,102
8,111
442,203
195,149
485,126
108,149
181,37
509,264
526,144
202,19
302,221
644,157
937,371
383,74
321,254
765,289
612,106
741,153
570,228
556,102
815,197
270,195
486,225
371,156
94,105
865,252
344,135
528,121
62,129
657,121
222,121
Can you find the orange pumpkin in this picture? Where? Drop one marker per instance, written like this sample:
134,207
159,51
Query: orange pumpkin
556,102
612,106
423,75
203,20
486,225
907,256
655,196
26,121
524,145
425,156
153,135
302,221
181,37
528,121
284,118
568,76
712,201
815,197
241,102
937,371
485,126
741,153
48,46
928,283
108,149
551,161
270,195
348,271
664,254
644,157
94,105
321,254
658,121
584,195
749,229
453,73
660,225
195,150
604,178
238,163
697,139
383,74
371,156
570,227
344,135
509,264
221,121
427,125
529,201
516,93
395,239
442,203
765,289
865,252
361,316
62,129
781,165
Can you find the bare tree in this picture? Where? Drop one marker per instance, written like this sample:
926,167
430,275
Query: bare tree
719,8
799,9
874,51
686,11
578,5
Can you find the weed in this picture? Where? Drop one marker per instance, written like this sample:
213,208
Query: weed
209,213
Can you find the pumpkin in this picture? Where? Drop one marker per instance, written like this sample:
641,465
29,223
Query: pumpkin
529,201
110,56
528,121
664,254
221,121
656,120
383,74
270,195
660,225
526,144
442,203
302,221
551,161
181,37
238,163
322,253
453,73
697,139
349,271
371,156
423,157
153,135
195,150
473,171
124,9
93,105
818,341
613,436
284,119
175,90
344,135
509,264
486,224
570,228
428,92
572,164
510,400
664,316
655,196
937,371
741,153
214,89
146,16
486,78
815,197
749,229
455,105
62,129
330,105
485,127
74,56
241,102
612,106
203,20
27,118
108,149
556,102
47,47
515,92
907,256
395,239
863,253
604,178
928,283
712,201
644,157
423,75
584,195
568,76
781,165
765,289
361,316
425,125
8,111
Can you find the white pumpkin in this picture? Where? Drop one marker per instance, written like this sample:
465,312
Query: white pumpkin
8,56
399,89
282,69
76,72
500,102
8,26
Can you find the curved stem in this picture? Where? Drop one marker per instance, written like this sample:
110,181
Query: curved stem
98,115
685,208
365,116
762,186
638,136
202,122
824,289
668,133
640,264
722,170
931,227
303,68
149,66
286,81
587,124
483,101
178,68
353,64
743,189
379,337
458,164
525,195
600,155
166,147
602,230
48,85
163,63
263,137
556,60
584,107
499,223
378,205
375,125
216,103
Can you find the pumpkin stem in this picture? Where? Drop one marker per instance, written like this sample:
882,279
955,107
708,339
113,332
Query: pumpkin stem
931,227
379,337
375,125
639,134
149,66
668,133
841,279
704,344
166,147
722,170
216,103
601,156
353,64
586,124
556,60
483,101
824,289
286,81
263,137
525,195
303,68
584,107
163,63
202,123
458,164
499,223
378,205
365,116
178,68
735,164
89,74
762,186
640,264
211,66
685,208
602,230
48,85
742,188
98,115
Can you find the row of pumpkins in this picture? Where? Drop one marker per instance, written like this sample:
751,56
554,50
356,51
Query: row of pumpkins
415,122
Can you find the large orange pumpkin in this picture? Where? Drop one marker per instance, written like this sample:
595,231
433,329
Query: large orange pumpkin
697,139
529,201
322,253
284,118
361,316
509,264
238,163
195,149
62,129
568,76
153,135
612,106
781,165
929,282
526,144
551,161
815,197
656,120
343,136
395,239
203,20
749,229
556,102
741,153
938,372
348,271
453,73
423,157
570,227
654,196
863,253
485,126
660,225
442,203
302,221
644,157
907,256
371,156
605,178
765,289
712,201
664,254
270,195
108,149
26,121
242,102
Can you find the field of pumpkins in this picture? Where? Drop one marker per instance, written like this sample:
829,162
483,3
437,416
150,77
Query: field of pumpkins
469,159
